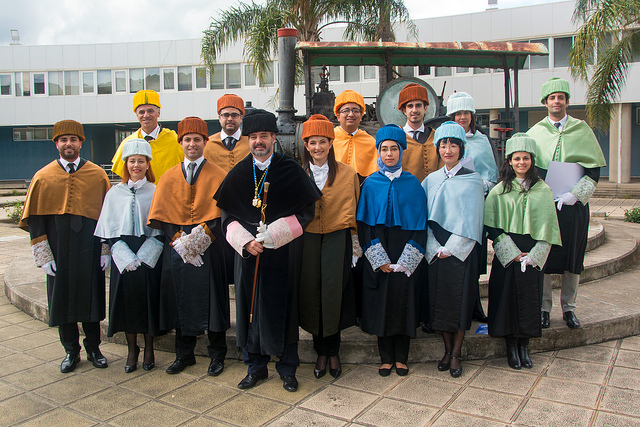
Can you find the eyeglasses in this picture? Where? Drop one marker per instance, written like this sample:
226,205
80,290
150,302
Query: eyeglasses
350,110
227,115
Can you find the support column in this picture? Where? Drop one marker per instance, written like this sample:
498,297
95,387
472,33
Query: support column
620,144
493,115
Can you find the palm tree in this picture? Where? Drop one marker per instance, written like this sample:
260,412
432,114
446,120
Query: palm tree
257,24
609,27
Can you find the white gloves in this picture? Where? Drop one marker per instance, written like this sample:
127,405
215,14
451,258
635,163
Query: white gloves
49,268
356,249
196,261
400,269
443,251
178,246
524,261
105,262
264,237
133,265
568,199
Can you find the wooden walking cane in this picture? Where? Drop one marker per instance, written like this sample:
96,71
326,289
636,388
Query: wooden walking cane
255,274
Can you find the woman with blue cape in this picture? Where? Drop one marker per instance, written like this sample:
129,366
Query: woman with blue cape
520,218
392,228
134,293
455,203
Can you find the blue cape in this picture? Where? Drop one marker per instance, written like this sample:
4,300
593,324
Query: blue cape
398,203
479,148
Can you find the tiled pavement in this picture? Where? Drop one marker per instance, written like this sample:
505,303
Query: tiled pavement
596,385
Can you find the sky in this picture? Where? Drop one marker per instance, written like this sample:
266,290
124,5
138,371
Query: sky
44,22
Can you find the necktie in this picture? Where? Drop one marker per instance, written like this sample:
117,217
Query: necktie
72,167
416,133
557,125
229,142
148,138
190,167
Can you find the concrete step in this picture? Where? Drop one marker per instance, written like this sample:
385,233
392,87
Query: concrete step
608,189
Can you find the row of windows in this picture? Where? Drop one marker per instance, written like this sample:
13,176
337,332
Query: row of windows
33,134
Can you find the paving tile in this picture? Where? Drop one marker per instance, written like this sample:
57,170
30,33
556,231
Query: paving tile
109,403
606,419
115,373
366,378
273,389
487,403
425,390
393,413
3,323
5,351
628,359
449,418
71,388
157,382
199,396
505,381
565,391
18,362
13,331
339,402
572,369
299,417
49,352
625,378
157,413
590,353
631,343
15,317
8,309
36,377
247,410
542,413
204,421
28,342
35,325
57,416
8,390
22,407
611,343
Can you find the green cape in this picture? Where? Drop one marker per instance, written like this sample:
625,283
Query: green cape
576,143
532,212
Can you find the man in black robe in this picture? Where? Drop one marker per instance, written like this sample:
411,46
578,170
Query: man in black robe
266,298
60,213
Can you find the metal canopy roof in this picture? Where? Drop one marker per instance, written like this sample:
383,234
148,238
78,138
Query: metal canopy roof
445,54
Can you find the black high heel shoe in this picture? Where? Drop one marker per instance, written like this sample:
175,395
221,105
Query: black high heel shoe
455,373
443,366
319,373
335,373
130,368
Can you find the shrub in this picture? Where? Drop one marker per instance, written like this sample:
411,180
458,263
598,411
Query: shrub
632,215
14,210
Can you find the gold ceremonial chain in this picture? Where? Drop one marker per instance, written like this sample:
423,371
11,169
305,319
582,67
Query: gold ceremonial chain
257,203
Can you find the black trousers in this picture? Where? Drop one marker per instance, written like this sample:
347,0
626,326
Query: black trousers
70,337
185,344
327,346
394,349
286,365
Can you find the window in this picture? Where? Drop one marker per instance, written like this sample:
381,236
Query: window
32,134
443,71
22,84
55,83
407,71
168,79
136,81
38,84
184,78
217,78
424,70
71,83
87,82
201,78
121,81
460,70
561,49
233,76
249,75
537,62
351,73
104,82
477,70
5,84
152,79
369,72
269,77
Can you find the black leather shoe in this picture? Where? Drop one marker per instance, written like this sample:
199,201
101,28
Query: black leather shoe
320,372
513,359
384,372
571,319
456,372
149,366
131,368
442,366
251,380
402,371
180,363
98,360
335,373
215,367
289,383
523,353
69,363
545,320
426,328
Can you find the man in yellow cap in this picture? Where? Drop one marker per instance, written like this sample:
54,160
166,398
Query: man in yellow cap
420,157
227,147
60,213
164,142
354,146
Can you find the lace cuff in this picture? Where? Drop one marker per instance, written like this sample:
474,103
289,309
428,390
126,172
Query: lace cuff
459,246
376,255
105,250
539,253
505,249
196,242
284,230
238,236
122,255
150,251
356,250
411,256
584,189
432,247
42,253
